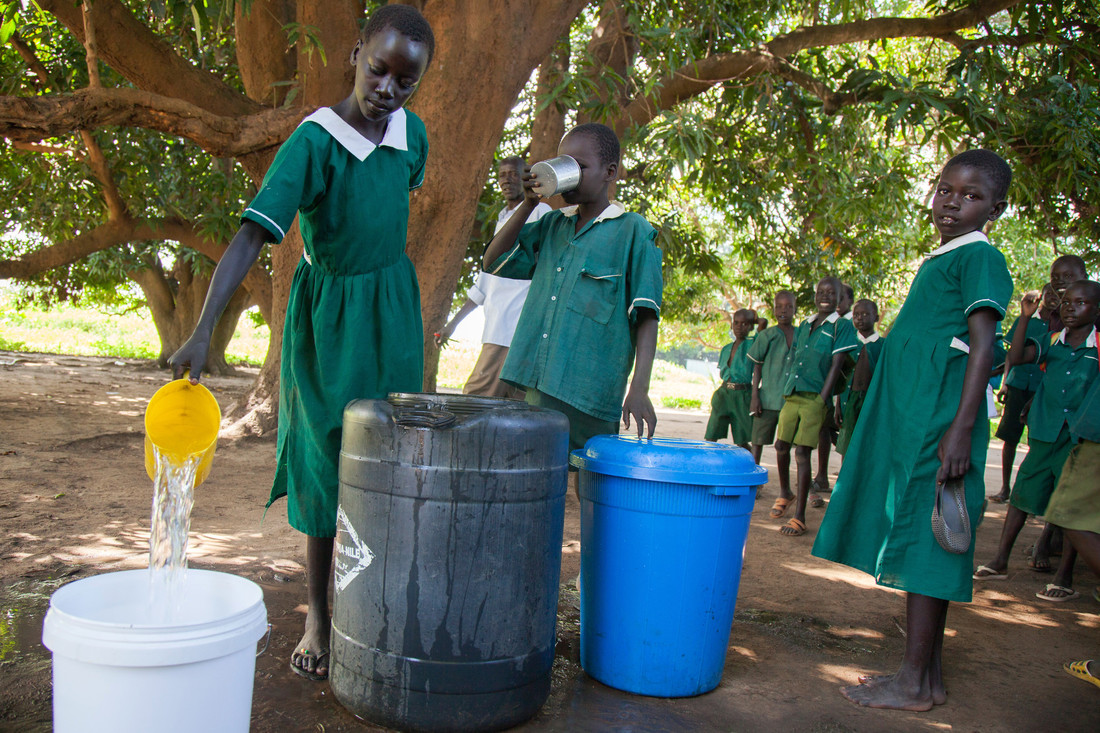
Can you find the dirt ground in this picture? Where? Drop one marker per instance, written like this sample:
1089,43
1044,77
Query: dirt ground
75,501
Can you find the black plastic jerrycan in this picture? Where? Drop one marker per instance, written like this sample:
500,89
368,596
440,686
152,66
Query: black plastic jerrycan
448,552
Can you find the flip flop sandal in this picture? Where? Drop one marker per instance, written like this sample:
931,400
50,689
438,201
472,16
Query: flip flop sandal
816,501
820,486
303,672
793,528
984,572
1080,670
1070,593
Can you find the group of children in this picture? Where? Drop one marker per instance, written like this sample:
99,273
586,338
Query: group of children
802,386
353,330
1053,363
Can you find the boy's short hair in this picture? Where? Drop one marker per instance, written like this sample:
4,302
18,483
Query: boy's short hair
512,160
992,165
869,302
849,292
1073,261
786,294
404,19
747,313
1091,288
607,142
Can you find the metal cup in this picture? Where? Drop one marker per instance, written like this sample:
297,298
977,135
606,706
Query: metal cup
556,175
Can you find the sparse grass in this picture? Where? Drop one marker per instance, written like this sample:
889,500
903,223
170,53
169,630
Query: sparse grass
92,332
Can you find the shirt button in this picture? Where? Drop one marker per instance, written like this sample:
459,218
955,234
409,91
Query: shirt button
553,297
545,335
559,269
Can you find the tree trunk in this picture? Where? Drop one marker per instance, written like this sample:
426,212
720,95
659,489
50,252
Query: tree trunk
520,34
175,302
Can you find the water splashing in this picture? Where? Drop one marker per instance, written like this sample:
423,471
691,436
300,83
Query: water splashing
173,497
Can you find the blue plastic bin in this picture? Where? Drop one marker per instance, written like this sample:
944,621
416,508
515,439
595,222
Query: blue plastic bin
663,529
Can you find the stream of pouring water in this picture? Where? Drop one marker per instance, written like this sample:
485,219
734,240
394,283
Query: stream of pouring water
173,497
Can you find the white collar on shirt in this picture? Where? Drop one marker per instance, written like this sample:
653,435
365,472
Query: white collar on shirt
869,340
352,140
956,243
831,318
1090,340
614,210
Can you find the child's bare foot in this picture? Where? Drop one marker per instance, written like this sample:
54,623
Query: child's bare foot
939,694
889,693
310,657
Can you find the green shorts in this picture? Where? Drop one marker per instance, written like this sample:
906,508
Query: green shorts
1039,473
801,419
763,427
729,415
1075,504
582,426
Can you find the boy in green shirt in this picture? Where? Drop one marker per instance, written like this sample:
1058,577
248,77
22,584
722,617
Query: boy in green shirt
592,310
848,406
1070,363
768,354
1019,389
729,406
821,343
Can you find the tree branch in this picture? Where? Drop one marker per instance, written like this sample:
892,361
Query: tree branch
32,119
122,230
129,47
695,78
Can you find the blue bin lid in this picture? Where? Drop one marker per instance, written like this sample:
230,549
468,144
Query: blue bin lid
670,460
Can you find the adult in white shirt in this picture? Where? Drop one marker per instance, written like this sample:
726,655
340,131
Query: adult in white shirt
501,297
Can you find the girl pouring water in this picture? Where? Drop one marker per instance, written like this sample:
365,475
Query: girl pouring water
353,328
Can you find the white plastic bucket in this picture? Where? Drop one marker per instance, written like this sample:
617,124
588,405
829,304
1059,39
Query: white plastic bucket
115,669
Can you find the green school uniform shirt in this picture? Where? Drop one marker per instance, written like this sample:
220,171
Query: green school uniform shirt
739,369
1069,374
353,327
1026,376
878,519
1086,423
575,337
812,352
770,350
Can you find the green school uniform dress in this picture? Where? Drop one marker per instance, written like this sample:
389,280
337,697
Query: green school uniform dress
870,348
770,350
575,337
1069,374
353,327
729,405
879,517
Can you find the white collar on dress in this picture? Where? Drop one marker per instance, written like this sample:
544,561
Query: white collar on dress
613,211
831,318
869,340
957,242
352,140
1090,340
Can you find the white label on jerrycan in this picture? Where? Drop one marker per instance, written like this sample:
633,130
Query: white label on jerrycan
352,554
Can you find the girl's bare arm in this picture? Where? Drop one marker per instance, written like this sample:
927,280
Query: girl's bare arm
954,447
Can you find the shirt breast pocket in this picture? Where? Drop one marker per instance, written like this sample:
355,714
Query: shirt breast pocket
596,293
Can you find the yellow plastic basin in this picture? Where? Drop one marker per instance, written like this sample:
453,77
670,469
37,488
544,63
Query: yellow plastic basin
182,419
